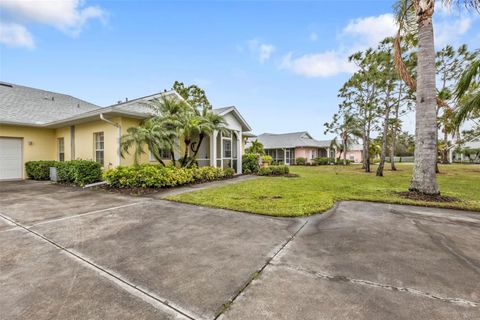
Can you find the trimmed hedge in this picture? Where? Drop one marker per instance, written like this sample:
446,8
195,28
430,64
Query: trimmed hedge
79,172
250,163
156,176
39,170
300,161
321,161
274,171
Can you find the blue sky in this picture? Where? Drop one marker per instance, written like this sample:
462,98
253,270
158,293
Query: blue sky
280,62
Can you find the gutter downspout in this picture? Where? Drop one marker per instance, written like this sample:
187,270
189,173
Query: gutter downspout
119,136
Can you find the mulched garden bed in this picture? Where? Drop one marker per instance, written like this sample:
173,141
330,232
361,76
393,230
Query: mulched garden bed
412,195
129,191
139,191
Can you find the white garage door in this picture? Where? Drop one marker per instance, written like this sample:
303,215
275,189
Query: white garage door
10,158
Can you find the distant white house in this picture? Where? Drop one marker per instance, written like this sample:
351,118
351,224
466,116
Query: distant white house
460,157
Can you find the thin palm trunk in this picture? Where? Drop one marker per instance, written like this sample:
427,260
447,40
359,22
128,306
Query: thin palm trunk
367,146
187,152
155,154
381,165
424,177
394,131
195,152
445,147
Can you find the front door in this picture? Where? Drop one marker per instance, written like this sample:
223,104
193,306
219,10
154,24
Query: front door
287,156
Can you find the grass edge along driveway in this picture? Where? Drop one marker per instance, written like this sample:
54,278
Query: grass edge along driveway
318,188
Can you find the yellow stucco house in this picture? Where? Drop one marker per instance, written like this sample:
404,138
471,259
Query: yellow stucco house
42,125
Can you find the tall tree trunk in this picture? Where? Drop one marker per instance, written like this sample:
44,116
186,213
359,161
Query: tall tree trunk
437,170
344,142
367,148
381,165
424,178
445,147
394,130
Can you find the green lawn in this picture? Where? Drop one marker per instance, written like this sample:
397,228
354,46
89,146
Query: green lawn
318,188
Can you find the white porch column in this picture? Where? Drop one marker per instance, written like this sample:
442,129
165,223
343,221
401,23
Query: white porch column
239,151
450,155
213,149
221,150
284,156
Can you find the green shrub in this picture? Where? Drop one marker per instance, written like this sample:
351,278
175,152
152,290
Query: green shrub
321,161
79,172
39,170
267,159
340,161
250,163
300,161
156,176
228,172
204,174
274,171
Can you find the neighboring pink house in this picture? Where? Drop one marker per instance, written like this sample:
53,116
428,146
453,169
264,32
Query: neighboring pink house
354,153
286,147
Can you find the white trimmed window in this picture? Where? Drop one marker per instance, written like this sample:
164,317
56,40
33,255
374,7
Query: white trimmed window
99,143
227,148
164,155
61,149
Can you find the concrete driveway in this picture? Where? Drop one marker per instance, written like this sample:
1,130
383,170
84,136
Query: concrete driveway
67,253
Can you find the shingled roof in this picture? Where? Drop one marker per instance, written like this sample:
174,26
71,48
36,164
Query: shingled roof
20,104
291,140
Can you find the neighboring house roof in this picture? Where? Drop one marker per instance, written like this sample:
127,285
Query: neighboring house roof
291,140
472,144
30,106
354,147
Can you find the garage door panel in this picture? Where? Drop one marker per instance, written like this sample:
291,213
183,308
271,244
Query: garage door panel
10,158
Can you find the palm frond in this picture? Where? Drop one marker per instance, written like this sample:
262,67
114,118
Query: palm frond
469,75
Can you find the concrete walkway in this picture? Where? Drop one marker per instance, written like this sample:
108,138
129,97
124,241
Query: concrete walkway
67,253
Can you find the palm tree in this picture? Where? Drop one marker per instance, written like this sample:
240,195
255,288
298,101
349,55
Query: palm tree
211,122
467,92
348,131
256,147
149,133
417,15
188,122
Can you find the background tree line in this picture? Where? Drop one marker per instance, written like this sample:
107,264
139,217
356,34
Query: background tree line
375,101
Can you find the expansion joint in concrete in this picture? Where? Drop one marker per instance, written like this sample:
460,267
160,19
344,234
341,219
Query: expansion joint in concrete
143,294
257,273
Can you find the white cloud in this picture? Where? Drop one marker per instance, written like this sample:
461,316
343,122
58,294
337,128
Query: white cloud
369,31
323,64
262,50
15,35
68,16
313,37
448,31
358,34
